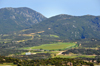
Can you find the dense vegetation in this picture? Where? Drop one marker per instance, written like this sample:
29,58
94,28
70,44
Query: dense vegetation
34,56
49,62
28,43
86,47
83,51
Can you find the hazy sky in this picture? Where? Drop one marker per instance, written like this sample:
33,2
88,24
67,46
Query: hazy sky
54,7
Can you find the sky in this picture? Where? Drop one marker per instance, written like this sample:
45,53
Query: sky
50,8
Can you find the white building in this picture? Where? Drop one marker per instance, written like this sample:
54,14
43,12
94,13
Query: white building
28,53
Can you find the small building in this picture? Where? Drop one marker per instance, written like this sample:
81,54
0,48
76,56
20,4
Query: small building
28,53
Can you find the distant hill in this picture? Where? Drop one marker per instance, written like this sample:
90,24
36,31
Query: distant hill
71,27
12,19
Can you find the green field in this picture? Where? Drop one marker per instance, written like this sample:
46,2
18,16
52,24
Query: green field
54,36
54,46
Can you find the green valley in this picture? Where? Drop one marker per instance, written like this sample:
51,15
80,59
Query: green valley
29,38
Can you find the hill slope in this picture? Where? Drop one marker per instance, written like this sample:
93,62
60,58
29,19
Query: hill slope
71,27
12,19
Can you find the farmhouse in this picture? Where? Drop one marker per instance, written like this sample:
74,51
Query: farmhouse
28,53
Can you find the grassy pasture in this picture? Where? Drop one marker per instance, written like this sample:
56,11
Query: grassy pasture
54,36
54,46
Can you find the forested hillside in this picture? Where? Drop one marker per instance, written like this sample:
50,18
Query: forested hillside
71,27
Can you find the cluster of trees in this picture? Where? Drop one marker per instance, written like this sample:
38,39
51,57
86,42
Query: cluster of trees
91,44
94,60
51,61
29,43
6,52
33,56
35,42
83,51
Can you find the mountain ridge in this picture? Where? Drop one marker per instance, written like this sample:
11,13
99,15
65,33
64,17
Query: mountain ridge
63,25
13,19
71,27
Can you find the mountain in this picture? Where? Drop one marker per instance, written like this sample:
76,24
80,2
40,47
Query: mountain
12,19
71,27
